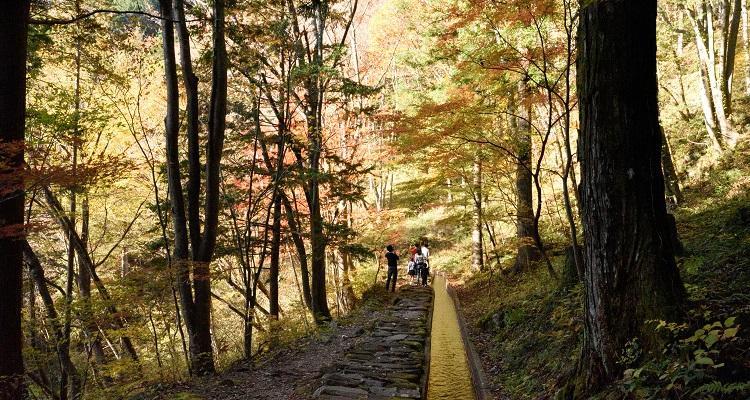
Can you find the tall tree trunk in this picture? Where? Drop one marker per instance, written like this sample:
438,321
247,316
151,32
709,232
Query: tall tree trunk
314,117
195,293
65,389
84,286
214,148
273,296
730,50
477,250
171,128
273,278
294,225
190,82
715,96
630,274
349,297
318,245
14,31
73,388
527,251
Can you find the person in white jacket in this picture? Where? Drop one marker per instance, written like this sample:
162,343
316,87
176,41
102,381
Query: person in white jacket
426,251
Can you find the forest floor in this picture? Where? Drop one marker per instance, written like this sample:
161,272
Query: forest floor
292,372
527,329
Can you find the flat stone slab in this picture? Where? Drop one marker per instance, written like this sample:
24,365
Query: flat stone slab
390,362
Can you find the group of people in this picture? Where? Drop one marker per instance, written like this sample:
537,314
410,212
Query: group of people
418,266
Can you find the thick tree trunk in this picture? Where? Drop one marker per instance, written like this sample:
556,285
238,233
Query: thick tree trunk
68,383
13,31
299,245
195,293
314,117
527,251
190,82
477,250
317,242
181,242
203,355
630,273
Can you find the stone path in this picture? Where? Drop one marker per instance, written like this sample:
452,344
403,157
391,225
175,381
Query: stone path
390,361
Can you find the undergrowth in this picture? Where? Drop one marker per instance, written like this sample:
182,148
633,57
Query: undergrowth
528,331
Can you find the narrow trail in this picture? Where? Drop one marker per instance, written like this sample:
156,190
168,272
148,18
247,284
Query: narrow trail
389,363
412,349
450,374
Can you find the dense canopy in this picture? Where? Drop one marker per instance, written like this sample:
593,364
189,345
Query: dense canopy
190,188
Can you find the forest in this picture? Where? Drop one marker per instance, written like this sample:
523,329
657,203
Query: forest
196,195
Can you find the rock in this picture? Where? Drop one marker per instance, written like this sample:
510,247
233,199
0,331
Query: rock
395,338
385,392
493,322
343,391
342,379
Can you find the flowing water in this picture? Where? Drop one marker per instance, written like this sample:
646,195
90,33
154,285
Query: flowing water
450,376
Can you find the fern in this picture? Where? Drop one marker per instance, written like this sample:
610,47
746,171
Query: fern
717,387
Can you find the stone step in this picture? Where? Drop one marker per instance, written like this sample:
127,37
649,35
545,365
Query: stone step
390,361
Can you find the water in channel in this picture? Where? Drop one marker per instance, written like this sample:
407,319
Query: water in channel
450,376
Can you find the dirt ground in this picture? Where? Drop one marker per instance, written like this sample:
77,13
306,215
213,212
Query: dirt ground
290,373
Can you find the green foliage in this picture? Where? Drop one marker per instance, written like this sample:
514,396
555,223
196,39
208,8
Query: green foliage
533,331
691,365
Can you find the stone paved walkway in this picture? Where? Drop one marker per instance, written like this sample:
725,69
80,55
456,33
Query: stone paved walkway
390,362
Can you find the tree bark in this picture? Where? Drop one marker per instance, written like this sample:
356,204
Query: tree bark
299,245
630,273
84,287
195,293
716,93
190,82
273,278
730,50
527,251
13,47
477,258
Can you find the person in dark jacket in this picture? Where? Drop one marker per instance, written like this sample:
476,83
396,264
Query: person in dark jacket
423,267
392,258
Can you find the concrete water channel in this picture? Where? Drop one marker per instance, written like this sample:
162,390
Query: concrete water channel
415,350
450,375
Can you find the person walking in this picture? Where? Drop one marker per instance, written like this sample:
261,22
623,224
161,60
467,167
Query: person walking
392,258
412,268
426,250
423,267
